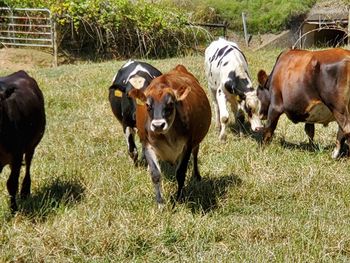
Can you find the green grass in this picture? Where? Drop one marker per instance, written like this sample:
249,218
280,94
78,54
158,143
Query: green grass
284,203
263,16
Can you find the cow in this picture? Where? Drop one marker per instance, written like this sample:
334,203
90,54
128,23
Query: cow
133,74
173,116
226,69
310,87
22,125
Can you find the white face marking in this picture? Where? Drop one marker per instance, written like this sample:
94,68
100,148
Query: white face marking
254,104
137,82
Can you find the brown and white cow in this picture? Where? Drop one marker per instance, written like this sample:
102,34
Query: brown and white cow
311,87
172,117
22,125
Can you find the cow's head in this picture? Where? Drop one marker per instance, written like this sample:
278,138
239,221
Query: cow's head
240,85
161,104
263,94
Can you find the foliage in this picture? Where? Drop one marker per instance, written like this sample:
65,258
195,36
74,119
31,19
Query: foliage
262,15
122,27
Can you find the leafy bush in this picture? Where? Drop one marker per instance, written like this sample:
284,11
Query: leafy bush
120,27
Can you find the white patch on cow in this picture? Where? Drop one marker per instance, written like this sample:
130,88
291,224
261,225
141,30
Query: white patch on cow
319,113
115,76
137,81
137,69
128,63
128,132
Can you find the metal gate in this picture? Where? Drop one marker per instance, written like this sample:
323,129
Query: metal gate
30,27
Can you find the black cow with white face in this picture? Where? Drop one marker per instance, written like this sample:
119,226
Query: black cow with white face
133,74
22,125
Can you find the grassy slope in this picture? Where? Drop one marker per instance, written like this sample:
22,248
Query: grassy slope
262,15
283,203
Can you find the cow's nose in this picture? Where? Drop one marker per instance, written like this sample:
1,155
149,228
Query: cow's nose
158,125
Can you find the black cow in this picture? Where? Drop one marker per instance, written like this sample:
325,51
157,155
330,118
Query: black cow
133,74
22,125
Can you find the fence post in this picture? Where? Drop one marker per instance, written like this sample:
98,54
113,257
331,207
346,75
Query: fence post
245,29
54,41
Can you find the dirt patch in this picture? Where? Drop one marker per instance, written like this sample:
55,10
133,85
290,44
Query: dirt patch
17,59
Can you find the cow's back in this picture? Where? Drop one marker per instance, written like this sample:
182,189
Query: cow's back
23,114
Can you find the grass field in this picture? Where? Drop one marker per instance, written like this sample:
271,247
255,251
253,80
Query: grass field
285,203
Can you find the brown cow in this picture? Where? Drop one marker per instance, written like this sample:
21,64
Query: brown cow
172,117
22,125
311,87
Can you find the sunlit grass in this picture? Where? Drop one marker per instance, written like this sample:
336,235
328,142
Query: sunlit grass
286,202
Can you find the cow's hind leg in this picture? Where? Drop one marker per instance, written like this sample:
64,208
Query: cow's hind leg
309,129
343,120
196,173
339,144
181,173
130,140
26,183
12,182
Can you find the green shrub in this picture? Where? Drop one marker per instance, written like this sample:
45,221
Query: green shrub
119,27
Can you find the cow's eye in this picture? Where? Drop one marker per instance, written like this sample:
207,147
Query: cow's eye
149,106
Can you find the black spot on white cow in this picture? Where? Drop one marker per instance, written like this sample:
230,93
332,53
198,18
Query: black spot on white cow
228,79
133,74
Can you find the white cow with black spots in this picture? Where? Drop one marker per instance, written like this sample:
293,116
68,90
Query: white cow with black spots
226,69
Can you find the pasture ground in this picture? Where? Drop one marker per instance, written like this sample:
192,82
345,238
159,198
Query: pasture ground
287,202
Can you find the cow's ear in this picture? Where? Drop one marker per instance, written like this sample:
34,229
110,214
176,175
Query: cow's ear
182,93
262,78
138,96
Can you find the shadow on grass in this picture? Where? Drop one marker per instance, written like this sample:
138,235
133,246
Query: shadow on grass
315,147
246,130
49,198
203,196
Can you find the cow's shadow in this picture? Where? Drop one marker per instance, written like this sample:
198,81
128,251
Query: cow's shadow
315,147
203,196
305,146
246,130
47,199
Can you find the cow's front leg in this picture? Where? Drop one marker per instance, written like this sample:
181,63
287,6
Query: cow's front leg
181,173
154,169
130,140
309,129
216,110
223,113
272,120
